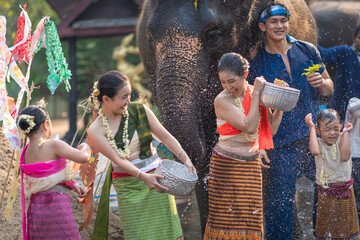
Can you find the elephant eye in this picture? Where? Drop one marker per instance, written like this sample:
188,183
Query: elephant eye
213,37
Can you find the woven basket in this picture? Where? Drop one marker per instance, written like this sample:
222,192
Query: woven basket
177,177
281,98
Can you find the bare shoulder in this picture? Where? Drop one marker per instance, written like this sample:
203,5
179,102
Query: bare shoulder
96,127
56,144
222,99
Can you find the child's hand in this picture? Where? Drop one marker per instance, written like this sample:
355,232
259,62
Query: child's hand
309,121
348,127
85,146
80,191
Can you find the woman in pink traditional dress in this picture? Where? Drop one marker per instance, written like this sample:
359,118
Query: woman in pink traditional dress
245,129
43,161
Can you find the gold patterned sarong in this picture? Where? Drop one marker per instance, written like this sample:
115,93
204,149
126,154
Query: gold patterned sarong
235,199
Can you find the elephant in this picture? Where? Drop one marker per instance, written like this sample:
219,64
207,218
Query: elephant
336,21
180,43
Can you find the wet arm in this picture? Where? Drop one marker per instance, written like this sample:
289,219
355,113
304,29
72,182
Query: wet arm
100,143
166,138
344,145
314,143
230,113
62,149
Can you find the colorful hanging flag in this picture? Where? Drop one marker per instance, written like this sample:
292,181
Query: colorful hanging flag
58,68
21,49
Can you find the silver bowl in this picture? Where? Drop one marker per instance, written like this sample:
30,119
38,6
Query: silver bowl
281,98
177,177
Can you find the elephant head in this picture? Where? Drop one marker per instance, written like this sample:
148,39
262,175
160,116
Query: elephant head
181,42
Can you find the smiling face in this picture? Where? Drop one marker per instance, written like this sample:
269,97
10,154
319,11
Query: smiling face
232,83
329,131
275,27
121,99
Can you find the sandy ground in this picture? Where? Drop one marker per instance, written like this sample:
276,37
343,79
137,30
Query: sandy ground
13,229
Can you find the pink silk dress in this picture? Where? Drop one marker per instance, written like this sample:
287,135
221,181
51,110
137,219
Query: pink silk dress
49,214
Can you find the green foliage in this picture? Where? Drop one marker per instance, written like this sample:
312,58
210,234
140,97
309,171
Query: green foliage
94,58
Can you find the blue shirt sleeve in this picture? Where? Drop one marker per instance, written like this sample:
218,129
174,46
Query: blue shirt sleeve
314,54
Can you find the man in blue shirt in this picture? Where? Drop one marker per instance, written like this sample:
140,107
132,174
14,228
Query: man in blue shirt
346,59
285,58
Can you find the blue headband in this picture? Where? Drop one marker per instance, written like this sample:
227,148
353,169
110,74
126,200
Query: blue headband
275,10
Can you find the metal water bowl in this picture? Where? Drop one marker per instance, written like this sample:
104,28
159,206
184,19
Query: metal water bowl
281,98
177,177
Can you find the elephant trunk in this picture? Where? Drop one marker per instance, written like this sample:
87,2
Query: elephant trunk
179,85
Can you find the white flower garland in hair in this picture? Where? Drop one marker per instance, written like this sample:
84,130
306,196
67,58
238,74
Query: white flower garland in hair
110,135
95,93
239,104
30,120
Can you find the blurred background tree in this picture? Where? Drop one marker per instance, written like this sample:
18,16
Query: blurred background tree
94,57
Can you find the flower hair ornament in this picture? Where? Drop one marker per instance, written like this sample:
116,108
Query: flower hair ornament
30,120
95,93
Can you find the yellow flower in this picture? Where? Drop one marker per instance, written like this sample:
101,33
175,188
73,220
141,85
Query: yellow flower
312,69
96,92
281,83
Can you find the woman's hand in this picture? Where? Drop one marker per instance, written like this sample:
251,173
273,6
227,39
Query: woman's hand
152,181
182,155
259,84
309,121
190,166
81,191
263,155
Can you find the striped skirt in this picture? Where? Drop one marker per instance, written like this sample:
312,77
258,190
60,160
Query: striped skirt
144,214
337,218
235,200
50,216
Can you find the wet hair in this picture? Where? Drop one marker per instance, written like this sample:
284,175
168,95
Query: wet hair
110,83
329,115
233,62
268,10
357,30
40,116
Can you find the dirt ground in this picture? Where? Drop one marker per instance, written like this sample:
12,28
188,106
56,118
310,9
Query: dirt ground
12,230
187,206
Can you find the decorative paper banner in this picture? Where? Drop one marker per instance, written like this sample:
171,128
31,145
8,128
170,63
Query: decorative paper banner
21,49
58,68
38,38
11,131
15,72
3,68
9,115
14,187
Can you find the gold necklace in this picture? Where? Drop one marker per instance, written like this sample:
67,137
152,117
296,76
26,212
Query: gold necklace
239,105
110,136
